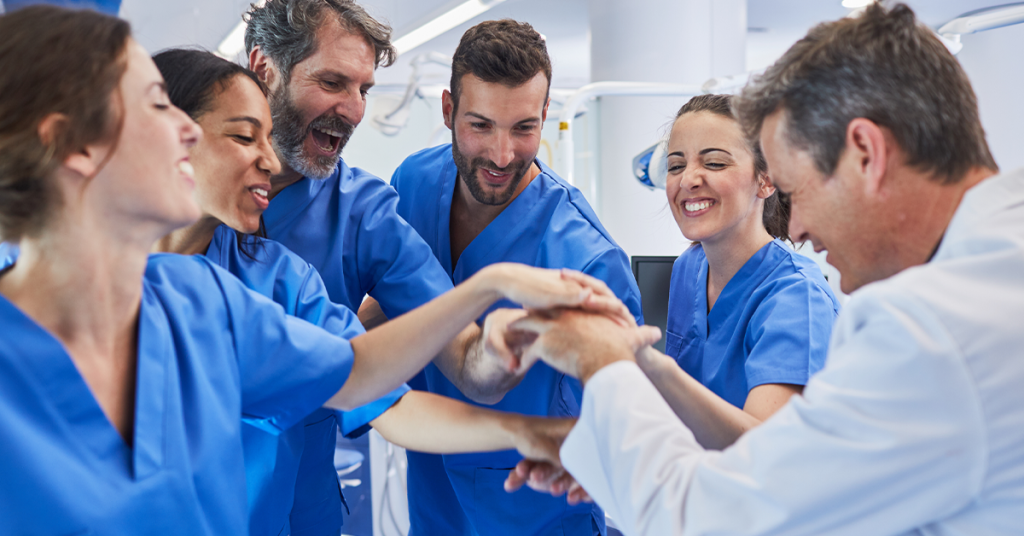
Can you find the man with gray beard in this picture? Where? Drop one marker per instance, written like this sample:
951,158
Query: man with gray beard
318,59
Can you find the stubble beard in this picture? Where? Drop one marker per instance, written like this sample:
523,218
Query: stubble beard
469,172
290,135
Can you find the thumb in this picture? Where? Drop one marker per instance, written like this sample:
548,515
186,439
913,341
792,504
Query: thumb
648,335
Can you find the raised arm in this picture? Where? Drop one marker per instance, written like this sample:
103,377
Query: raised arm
394,352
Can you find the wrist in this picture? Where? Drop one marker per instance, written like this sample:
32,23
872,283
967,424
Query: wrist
588,367
488,283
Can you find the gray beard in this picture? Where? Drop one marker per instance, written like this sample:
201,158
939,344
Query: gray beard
290,134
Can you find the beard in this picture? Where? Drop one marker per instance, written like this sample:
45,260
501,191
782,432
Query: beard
290,135
469,171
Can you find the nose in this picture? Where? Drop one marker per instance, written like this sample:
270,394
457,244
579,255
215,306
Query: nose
502,151
191,132
691,178
797,230
268,162
350,107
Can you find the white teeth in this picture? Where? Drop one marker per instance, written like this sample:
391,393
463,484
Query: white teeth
186,167
694,207
259,191
334,133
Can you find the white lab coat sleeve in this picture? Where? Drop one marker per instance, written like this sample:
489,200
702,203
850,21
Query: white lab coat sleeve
889,437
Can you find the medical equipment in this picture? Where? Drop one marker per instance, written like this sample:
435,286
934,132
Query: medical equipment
650,167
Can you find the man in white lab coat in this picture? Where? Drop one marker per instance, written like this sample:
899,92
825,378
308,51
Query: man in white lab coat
916,423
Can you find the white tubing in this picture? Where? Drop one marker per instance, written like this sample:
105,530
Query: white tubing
565,149
985,20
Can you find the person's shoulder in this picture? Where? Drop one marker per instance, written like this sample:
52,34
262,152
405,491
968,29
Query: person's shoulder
431,156
189,277
423,167
572,208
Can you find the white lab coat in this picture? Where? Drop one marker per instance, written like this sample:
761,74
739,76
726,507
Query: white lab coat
914,426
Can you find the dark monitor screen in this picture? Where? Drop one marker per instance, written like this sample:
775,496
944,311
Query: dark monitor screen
652,276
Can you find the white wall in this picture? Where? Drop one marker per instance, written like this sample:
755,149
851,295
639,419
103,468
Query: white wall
992,62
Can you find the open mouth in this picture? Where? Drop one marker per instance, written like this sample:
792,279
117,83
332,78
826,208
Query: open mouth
327,140
697,207
260,196
494,177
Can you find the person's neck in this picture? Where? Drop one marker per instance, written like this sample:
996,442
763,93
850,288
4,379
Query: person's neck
924,208
282,180
82,286
727,254
470,217
192,240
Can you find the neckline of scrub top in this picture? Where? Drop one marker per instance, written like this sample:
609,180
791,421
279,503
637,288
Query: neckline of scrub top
737,284
294,198
499,231
63,387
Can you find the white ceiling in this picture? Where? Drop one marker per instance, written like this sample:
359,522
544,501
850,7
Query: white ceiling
565,23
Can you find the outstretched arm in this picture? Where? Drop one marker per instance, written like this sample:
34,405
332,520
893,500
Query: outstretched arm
431,423
394,352
714,422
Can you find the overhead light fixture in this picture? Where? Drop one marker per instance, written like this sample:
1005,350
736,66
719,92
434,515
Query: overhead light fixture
448,20
234,43
857,4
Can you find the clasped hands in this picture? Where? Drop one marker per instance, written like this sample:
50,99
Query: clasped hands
577,341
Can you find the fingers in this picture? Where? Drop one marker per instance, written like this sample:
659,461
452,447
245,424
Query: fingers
577,494
497,340
611,307
599,287
531,324
648,335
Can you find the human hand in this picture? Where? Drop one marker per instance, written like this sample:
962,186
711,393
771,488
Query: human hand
540,438
579,343
546,478
601,300
498,344
533,288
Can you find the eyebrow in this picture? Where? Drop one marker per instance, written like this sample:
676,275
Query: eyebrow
489,120
245,119
702,153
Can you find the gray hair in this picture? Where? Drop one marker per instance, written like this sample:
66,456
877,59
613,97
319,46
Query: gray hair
882,66
285,30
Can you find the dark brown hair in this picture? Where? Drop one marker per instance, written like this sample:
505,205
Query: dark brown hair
194,79
883,66
286,30
775,216
56,61
505,51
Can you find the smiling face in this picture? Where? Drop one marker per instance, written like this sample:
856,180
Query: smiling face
496,134
235,159
148,178
833,213
711,188
316,111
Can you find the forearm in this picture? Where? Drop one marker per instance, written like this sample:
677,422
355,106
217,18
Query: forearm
484,381
394,352
430,423
715,423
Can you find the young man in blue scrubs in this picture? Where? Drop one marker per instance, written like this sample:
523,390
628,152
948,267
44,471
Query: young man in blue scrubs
318,59
485,199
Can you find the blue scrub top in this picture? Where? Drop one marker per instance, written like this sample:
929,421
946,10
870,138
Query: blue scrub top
548,225
210,354
274,462
771,323
347,228
8,254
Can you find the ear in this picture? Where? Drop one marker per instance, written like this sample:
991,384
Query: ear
866,154
263,66
447,106
544,113
83,161
765,186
